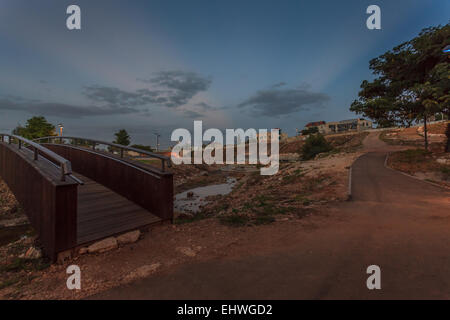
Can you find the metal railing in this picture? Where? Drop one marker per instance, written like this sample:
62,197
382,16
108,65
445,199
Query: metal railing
64,165
93,143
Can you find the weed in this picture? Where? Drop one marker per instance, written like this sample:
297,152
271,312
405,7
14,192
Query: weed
263,219
235,220
19,264
8,283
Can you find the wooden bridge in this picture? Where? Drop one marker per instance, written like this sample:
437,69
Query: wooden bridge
75,192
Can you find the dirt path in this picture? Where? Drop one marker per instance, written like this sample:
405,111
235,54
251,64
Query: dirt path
396,222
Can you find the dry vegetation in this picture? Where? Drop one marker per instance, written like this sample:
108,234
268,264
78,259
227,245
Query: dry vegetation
431,166
340,143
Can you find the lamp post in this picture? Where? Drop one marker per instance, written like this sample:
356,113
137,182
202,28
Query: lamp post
157,140
61,127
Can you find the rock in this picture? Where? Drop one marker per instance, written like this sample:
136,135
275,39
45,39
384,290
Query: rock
443,161
142,272
187,251
129,237
83,250
103,245
32,253
64,256
204,173
190,194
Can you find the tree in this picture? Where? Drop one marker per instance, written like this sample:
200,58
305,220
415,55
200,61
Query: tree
310,130
36,127
315,144
122,137
412,82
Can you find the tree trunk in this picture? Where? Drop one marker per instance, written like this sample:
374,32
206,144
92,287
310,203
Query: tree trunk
447,133
425,131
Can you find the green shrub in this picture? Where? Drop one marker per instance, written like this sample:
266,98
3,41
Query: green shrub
413,155
234,220
314,145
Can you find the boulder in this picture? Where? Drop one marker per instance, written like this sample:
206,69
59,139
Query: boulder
103,245
129,237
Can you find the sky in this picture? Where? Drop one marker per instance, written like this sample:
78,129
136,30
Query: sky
154,66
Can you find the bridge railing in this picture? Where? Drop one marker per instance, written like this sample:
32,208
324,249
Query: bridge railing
164,159
64,164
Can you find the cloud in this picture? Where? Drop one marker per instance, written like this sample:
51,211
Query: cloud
171,89
61,109
114,97
176,88
275,102
279,84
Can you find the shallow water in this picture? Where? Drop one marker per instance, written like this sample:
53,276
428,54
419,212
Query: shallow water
192,205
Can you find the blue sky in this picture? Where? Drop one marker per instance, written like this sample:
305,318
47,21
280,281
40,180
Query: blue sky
159,65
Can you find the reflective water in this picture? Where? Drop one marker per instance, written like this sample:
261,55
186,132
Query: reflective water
186,204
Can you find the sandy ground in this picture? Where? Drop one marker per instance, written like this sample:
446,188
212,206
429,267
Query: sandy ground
168,248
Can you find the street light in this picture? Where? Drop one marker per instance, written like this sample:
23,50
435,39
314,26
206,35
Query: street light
157,140
61,127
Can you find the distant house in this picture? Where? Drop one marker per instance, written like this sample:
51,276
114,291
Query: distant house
340,126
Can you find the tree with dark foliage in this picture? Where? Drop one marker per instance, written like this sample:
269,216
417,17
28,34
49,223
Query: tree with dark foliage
412,84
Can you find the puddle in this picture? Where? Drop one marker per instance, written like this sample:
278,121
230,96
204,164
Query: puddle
192,204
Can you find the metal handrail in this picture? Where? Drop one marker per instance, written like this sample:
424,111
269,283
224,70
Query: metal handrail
64,164
94,142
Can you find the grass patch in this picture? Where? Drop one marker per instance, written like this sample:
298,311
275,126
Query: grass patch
412,155
8,283
196,217
264,219
235,220
19,264
14,233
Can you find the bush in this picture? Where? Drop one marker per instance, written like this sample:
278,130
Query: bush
310,130
413,155
314,145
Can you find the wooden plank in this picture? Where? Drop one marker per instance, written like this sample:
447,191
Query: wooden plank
103,213
49,203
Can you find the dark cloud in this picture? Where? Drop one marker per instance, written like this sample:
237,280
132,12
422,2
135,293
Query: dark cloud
61,109
176,88
116,97
279,84
275,102
192,114
171,89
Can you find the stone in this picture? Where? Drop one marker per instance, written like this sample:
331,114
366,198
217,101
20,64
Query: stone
142,272
129,237
32,253
103,245
83,250
64,256
190,194
187,251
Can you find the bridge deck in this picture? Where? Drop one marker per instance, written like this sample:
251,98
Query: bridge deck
102,212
